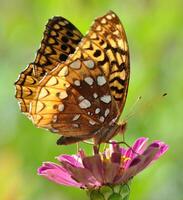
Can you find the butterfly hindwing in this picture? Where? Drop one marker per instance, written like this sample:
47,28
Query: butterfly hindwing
73,103
60,40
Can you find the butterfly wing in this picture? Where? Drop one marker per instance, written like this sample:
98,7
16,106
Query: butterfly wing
60,40
79,96
109,34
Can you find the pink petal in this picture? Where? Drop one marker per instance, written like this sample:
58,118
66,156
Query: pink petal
162,149
111,170
122,151
94,165
137,148
138,164
139,145
73,160
57,174
81,175
142,161
116,157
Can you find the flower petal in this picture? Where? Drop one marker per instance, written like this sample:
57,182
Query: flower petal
114,166
139,145
137,148
139,163
162,149
116,157
57,174
94,165
122,151
81,175
142,161
74,160
111,171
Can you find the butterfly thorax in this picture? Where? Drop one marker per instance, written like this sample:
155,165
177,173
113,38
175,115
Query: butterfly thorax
104,134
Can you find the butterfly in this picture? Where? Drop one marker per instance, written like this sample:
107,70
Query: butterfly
77,85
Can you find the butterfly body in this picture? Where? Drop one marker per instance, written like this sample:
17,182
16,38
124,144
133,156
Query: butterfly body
82,95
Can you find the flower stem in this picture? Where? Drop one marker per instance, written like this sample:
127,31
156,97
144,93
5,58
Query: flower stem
115,192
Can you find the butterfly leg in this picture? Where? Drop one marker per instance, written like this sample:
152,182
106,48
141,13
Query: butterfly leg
105,134
123,127
70,140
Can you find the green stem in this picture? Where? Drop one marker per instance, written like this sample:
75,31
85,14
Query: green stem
115,192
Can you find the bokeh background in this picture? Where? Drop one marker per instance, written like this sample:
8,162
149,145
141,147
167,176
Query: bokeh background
155,34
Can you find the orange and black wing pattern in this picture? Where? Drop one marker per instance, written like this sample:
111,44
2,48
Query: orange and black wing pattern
82,95
109,36
60,40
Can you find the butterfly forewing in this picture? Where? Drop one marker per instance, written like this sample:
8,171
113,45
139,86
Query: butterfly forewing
109,34
60,40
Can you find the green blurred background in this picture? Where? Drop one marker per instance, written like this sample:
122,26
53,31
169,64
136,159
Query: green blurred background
155,34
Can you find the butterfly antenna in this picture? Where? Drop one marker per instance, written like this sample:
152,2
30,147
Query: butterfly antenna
153,101
131,112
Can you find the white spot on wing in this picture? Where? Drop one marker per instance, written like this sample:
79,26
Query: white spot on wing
75,125
95,95
40,106
107,111
106,98
101,80
76,64
89,63
98,28
64,71
80,98
54,119
84,104
62,23
61,107
109,17
77,83
52,81
63,95
97,110
116,33
89,80
43,93
76,117
66,22
91,122
102,119
103,21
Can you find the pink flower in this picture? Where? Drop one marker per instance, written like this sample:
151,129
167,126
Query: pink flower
115,165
